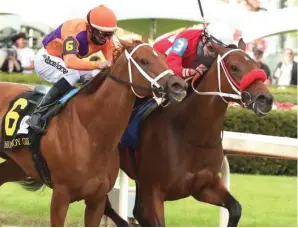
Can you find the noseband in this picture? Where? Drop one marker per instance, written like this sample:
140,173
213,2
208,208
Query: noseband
238,88
155,86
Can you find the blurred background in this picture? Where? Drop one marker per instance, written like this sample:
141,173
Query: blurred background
266,25
266,187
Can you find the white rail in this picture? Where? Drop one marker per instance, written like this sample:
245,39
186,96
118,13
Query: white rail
245,144
242,144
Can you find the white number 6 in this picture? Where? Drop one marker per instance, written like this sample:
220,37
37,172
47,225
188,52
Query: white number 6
23,126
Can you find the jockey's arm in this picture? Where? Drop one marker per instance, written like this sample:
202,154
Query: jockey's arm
71,60
175,56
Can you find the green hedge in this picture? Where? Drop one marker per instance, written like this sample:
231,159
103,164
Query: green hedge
264,166
280,94
277,123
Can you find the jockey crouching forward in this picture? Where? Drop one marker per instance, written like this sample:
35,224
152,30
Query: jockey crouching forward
190,52
60,60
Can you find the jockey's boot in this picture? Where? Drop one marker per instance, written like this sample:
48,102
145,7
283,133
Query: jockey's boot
57,91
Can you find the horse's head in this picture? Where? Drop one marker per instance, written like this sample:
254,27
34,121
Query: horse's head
240,79
147,71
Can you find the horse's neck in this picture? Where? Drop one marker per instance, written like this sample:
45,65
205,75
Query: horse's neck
206,113
106,112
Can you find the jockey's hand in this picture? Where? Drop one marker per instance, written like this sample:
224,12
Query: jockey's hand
104,64
188,72
201,69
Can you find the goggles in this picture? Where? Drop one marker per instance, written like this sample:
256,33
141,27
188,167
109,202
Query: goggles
102,34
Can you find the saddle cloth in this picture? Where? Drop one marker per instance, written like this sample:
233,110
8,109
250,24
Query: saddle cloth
142,108
15,131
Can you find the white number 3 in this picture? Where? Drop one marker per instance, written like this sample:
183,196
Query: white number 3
178,47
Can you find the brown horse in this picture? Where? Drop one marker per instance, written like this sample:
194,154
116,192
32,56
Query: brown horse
180,149
78,143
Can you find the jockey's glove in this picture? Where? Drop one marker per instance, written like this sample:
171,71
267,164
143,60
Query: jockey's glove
188,72
201,69
104,64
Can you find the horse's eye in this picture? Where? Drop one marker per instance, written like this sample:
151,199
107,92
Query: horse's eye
144,61
234,69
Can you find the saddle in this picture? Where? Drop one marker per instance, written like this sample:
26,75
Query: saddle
142,109
15,131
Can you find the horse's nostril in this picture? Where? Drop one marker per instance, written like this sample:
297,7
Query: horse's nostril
176,86
265,99
270,99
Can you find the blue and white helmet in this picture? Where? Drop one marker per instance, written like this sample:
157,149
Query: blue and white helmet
220,32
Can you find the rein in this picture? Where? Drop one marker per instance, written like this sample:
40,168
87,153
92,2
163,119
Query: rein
238,88
220,65
124,82
154,85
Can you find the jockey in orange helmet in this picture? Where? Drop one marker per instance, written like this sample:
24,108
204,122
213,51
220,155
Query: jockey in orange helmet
60,61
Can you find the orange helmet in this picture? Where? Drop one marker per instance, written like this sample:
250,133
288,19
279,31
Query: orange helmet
102,19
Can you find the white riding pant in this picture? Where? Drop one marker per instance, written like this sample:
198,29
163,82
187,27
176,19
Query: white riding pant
52,69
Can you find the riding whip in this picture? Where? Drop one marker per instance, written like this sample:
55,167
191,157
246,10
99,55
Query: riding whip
202,14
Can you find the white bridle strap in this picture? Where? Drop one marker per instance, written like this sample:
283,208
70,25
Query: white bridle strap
153,81
220,65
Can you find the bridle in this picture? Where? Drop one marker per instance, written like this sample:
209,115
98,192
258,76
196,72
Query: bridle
155,87
238,88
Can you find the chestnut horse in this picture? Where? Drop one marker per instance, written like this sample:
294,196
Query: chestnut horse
180,151
79,143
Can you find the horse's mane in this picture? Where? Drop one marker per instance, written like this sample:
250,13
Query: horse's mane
201,78
233,46
117,52
120,48
93,84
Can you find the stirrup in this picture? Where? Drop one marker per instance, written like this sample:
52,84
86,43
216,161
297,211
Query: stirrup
39,130
43,108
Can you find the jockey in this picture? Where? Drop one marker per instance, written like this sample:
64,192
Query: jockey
190,51
60,61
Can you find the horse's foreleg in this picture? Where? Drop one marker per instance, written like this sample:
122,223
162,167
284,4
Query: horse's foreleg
149,207
94,210
137,210
59,205
112,214
11,172
216,193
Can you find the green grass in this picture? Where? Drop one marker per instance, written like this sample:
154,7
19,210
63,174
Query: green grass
31,79
266,201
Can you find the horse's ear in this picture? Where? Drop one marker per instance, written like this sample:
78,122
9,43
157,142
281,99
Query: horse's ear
125,44
241,44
